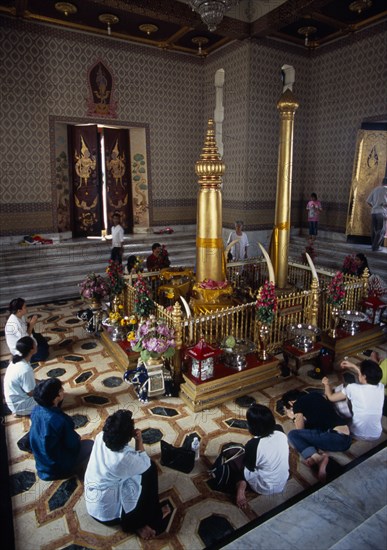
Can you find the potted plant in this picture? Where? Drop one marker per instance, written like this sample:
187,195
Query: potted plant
154,340
266,307
94,288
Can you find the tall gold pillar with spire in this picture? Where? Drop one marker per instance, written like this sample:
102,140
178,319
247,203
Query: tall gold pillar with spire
210,260
209,242
279,246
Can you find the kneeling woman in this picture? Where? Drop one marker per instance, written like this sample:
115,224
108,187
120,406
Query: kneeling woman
266,460
121,485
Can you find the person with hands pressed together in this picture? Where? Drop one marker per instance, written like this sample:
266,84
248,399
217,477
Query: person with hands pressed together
17,326
366,399
121,484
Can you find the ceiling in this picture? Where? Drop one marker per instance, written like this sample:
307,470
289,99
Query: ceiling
177,28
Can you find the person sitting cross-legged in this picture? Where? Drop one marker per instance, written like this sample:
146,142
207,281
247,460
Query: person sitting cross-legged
366,400
121,485
318,427
266,460
56,446
19,380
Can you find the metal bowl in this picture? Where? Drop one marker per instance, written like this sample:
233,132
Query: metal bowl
350,321
235,358
304,335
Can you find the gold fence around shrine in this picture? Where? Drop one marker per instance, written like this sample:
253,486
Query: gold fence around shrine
308,303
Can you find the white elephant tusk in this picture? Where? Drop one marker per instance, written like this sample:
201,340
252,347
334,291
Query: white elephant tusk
269,264
311,265
229,246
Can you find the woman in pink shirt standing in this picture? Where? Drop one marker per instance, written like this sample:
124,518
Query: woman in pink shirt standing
314,208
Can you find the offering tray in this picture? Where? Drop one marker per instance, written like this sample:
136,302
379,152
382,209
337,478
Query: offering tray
304,335
350,321
235,357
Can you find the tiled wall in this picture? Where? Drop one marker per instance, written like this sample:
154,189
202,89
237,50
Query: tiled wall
44,74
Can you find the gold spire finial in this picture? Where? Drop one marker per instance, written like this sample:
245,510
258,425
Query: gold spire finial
210,168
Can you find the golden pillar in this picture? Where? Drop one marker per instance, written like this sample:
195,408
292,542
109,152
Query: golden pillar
279,247
209,242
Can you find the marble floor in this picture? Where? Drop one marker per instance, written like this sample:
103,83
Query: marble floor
52,515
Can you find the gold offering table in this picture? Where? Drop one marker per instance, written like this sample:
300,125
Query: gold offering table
120,351
228,383
345,344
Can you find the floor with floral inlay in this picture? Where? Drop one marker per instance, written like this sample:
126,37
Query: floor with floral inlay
52,515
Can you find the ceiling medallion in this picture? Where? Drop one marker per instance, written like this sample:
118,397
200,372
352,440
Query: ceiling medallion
307,31
66,8
360,5
148,28
200,41
108,19
212,12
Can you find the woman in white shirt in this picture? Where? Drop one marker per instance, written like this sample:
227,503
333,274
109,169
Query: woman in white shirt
17,327
121,485
266,460
19,381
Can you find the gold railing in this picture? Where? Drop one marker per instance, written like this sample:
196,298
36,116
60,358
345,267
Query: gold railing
300,306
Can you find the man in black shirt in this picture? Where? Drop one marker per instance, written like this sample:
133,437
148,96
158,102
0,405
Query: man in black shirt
318,427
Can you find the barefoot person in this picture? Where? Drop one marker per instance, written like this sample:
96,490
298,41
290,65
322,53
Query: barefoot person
121,485
266,460
318,427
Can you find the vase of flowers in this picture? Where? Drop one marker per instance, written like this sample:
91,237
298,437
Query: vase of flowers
336,297
115,277
94,288
266,307
143,303
154,340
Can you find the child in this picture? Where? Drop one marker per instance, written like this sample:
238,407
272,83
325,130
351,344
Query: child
314,208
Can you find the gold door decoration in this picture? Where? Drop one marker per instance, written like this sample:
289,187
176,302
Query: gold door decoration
368,172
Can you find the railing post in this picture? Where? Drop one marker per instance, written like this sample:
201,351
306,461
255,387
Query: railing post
177,326
365,277
313,306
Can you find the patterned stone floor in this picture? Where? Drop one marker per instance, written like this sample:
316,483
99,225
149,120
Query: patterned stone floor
52,515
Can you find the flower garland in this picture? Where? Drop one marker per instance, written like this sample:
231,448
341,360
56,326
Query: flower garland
210,284
154,339
94,287
115,277
143,303
336,290
266,303
349,265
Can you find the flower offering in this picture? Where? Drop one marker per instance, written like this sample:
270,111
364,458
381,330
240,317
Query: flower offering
266,303
143,303
115,277
154,339
94,287
336,290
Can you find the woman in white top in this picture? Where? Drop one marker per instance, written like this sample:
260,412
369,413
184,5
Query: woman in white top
266,460
17,327
366,399
19,381
121,485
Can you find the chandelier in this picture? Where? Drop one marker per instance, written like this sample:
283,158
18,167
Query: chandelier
212,11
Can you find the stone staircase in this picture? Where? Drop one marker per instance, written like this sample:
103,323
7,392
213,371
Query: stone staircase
45,273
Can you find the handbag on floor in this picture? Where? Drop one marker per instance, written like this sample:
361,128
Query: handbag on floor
224,471
177,458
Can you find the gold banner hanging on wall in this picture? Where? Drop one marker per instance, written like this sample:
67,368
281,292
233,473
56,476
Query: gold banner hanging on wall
368,172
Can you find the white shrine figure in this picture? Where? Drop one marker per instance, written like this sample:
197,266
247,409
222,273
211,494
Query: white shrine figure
288,75
219,110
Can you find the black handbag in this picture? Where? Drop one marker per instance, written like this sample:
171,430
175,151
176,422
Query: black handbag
177,458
